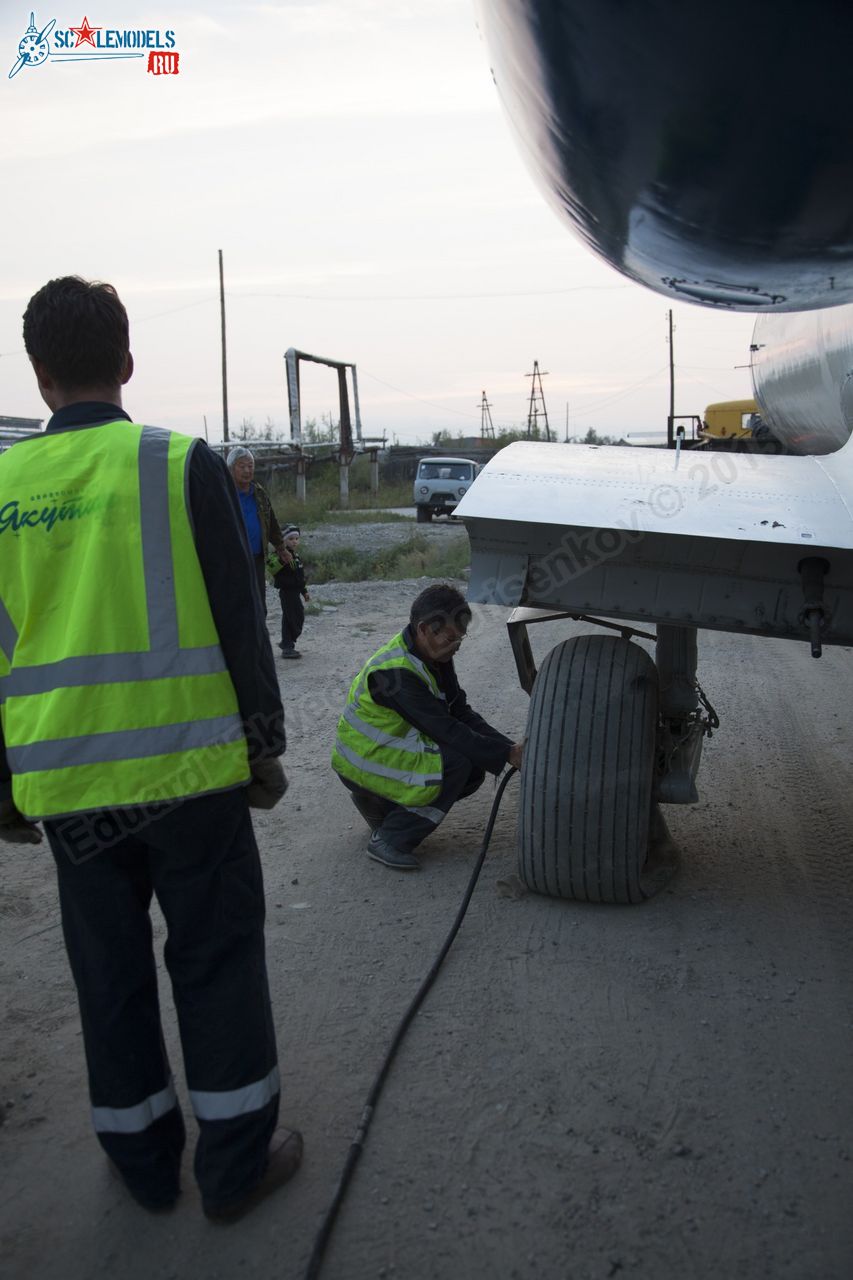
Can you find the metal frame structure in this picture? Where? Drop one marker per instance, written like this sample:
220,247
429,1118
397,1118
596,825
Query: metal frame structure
292,359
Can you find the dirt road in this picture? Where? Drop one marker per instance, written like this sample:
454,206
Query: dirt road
659,1092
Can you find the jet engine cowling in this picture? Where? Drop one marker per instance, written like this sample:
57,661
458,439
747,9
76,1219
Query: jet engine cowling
704,150
802,376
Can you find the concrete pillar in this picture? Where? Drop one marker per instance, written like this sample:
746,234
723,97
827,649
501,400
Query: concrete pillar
344,474
300,480
374,471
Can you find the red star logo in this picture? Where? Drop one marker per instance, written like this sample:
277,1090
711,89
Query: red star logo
85,34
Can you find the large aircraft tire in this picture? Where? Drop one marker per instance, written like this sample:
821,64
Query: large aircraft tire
424,514
585,809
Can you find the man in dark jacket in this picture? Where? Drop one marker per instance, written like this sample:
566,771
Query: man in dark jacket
153,655
409,745
262,527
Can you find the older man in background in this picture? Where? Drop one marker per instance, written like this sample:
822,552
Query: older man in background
262,527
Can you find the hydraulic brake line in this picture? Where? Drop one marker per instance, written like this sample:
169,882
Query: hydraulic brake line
357,1145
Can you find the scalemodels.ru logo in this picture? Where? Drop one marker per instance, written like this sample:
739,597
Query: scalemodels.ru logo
96,44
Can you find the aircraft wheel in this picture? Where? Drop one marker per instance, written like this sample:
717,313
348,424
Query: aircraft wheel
585,810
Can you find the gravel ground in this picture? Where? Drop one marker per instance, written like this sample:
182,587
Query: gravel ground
649,1093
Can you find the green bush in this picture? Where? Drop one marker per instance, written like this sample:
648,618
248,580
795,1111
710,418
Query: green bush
415,558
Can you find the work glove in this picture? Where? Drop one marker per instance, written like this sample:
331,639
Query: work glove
14,827
268,783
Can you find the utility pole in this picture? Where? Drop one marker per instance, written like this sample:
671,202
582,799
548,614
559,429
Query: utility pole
670,440
533,410
487,427
224,364
567,423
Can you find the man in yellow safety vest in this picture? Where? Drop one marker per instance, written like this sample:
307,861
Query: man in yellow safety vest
408,744
140,718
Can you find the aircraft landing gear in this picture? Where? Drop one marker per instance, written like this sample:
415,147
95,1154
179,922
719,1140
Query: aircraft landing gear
585,810
610,734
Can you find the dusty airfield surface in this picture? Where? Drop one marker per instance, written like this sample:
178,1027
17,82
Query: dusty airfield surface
660,1092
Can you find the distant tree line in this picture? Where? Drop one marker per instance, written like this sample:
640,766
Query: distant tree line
444,439
326,431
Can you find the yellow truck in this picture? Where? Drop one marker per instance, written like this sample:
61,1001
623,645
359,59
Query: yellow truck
726,424
730,420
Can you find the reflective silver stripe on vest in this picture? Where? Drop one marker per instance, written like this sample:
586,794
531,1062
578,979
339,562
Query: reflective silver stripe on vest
225,1105
426,675
381,658
135,1119
411,742
384,771
157,538
164,660
111,668
427,811
124,744
8,633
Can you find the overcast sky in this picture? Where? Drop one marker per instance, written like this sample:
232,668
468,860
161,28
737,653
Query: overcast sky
351,160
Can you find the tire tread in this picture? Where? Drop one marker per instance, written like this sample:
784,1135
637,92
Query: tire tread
587,780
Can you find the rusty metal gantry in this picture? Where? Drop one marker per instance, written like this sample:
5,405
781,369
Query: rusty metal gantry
346,447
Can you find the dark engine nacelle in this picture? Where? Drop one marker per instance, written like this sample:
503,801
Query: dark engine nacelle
703,149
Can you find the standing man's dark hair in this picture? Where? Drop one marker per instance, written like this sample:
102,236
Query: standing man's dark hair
78,330
146,719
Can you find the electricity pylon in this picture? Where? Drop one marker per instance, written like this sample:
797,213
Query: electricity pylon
487,427
534,413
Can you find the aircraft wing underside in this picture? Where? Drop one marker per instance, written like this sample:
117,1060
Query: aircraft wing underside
709,540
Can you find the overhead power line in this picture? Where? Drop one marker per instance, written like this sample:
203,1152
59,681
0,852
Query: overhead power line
431,297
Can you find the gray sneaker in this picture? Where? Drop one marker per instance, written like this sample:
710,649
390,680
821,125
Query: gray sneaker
381,851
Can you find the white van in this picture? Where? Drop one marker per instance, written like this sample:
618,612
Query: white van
440,483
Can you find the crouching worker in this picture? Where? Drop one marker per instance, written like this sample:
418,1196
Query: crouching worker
408,744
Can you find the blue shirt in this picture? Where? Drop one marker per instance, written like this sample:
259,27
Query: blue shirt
249,507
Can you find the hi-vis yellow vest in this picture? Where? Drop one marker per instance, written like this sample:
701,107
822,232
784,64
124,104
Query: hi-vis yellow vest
376,748
113,687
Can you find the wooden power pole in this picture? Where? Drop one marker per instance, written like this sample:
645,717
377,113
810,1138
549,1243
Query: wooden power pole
225,436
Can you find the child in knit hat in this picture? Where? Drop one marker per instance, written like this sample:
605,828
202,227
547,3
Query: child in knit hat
290,581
